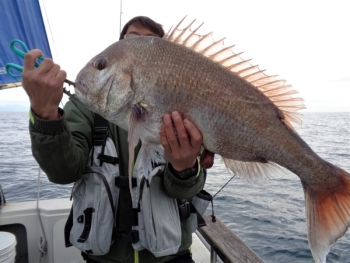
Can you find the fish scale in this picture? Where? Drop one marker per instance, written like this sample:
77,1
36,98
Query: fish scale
230,105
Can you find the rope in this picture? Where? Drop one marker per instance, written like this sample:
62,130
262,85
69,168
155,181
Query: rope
42,242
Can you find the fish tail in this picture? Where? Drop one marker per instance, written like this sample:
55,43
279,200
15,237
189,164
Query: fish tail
327,212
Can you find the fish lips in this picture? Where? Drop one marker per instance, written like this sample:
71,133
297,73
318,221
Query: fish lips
80,87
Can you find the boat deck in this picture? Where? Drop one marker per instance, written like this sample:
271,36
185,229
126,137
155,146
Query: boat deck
22,220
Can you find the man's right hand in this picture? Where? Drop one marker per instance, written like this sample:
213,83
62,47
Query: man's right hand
44,85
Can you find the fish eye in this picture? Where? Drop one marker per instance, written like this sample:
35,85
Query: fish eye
100,63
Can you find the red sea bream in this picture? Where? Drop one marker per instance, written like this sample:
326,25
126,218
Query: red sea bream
243,115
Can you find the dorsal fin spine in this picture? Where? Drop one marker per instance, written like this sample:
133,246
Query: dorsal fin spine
263,78
177,26
221,51
193,32
210,46
283,87
166,36
287,93
248,76
183,31
200,40
246,69
230,57
237,64
272,82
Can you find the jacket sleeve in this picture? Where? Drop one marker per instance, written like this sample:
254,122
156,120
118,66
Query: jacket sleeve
184,189
62,149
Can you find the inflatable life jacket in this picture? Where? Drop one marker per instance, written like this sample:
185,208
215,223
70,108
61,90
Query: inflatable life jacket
155,217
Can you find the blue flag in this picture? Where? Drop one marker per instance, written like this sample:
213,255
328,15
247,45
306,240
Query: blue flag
20,19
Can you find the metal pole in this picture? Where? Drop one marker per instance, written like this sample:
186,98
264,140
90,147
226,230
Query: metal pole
120,16
213,255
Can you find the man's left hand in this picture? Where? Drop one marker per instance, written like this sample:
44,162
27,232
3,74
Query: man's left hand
181,141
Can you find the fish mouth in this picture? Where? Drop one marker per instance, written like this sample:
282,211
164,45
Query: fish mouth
96,99
81,88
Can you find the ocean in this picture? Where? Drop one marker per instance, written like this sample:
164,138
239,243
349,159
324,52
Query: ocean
269,216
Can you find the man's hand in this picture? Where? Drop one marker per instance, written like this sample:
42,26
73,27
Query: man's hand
181,141
43,85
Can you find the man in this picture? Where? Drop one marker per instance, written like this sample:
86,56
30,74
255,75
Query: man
62,139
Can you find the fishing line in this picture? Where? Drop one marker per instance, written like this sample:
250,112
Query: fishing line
223,186
213,218
212,204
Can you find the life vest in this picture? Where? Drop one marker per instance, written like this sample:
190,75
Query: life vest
155,216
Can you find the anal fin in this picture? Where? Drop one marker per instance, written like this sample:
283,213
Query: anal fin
254,170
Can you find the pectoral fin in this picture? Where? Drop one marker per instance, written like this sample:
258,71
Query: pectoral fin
141,129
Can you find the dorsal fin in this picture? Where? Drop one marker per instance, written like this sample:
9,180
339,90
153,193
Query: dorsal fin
276,90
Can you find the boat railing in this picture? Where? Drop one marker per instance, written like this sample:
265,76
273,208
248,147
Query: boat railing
225,244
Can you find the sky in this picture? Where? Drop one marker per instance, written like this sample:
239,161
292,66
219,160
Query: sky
305,42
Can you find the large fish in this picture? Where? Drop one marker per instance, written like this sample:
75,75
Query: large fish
243,115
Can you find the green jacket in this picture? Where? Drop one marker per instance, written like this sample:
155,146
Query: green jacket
61,148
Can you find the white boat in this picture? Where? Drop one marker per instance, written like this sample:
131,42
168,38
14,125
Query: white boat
38,227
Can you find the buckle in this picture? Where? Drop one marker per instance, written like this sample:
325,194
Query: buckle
184,211
108,159
132,237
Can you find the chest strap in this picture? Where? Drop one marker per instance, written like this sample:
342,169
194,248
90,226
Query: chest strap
100,135
100,130
123,181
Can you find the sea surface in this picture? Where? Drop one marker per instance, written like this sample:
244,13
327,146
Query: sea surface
269,216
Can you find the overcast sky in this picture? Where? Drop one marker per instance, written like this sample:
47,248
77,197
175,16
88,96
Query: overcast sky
304,42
